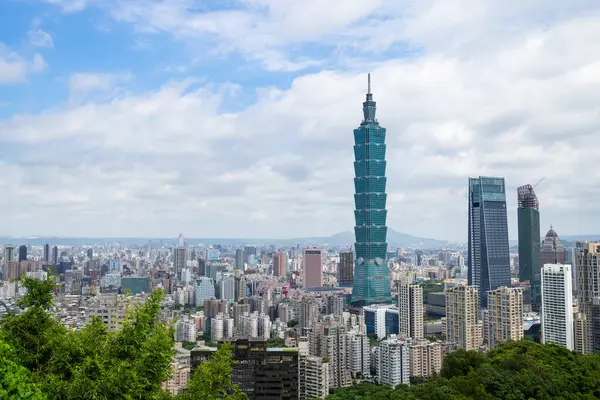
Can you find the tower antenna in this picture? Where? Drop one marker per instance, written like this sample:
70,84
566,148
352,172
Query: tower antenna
369,83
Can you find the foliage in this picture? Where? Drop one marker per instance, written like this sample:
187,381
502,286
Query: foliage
275,342
15,380
188,345
92,363
212,379
514,371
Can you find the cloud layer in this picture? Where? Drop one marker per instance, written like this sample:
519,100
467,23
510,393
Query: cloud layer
465,88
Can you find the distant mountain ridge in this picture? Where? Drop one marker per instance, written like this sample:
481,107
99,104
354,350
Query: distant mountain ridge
395,239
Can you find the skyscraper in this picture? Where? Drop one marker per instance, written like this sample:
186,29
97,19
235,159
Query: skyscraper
54,255
346,269
489,257
528,216
22,253
410,311
371,277
239,259
9,254
557,305
46,253
179,257
313,267
278,264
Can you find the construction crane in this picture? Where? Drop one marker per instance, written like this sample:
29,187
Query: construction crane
540,181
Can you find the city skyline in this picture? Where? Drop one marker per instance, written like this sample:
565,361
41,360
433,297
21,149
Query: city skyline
216,134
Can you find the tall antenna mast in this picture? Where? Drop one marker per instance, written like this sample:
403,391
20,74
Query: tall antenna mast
369,81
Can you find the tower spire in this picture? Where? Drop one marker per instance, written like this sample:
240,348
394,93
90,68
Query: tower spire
369,104
369,82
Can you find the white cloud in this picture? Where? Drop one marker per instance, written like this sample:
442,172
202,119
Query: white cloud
15,68
40,38
38,64
82,82
514,99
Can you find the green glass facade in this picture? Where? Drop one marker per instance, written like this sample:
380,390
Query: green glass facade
528,217
371,277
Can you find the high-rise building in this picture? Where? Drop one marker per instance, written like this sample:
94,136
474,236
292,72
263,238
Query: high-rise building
227,289
46,253
553,251
359,354
426,358
313,378
54,255
239,259
463,326
410,310
588,295
371,283
346,271
329,339
528,216
9,254
179,257
90,253
489,257
393,362
313,267
205,289
22,253
335,305
279,264
505,315
557,305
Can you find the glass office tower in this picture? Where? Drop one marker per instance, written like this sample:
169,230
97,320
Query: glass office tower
371,278
528,217
489,258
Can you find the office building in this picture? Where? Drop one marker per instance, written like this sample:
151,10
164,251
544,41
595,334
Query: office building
410,310
260,372
553,251
205,289
557,305
313,378
528,216
504,315
179,257
9,255
46,256
462,323
371,283
227,289
54,255
375,319
239,259
335,305
313,267
488,250
346,270
22,253
279,261
393,362
588,295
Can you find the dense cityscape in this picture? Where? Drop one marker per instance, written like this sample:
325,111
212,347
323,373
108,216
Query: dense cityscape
314,317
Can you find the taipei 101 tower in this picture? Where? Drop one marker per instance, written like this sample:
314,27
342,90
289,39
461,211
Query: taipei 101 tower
371,278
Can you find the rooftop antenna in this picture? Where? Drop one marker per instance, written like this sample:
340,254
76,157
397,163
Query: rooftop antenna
540,181
369,81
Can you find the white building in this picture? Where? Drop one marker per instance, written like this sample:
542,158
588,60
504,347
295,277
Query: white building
393,362
557,305
217,328
359,354
185,330
205,290
410,310
313,377
375,318
227,288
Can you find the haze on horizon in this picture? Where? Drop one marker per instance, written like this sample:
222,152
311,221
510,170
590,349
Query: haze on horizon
237,122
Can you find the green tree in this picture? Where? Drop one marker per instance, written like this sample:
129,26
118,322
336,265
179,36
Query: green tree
212,379
15,380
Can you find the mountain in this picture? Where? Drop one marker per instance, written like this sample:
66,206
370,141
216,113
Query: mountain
395,239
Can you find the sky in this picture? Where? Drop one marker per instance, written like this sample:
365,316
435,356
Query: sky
234,118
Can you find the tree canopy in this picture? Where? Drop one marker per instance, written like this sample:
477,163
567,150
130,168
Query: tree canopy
515,371
40,358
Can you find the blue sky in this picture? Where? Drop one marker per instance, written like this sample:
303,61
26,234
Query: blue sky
234,117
